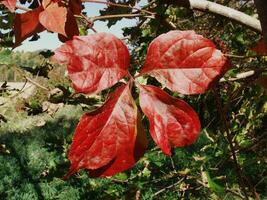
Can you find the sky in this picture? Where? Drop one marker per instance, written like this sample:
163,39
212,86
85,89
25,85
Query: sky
50,40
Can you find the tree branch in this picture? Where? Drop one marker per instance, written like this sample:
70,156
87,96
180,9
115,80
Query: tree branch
239,76
215,8
119,16
168,187
23,8
35,83
229,138
261,6
118,5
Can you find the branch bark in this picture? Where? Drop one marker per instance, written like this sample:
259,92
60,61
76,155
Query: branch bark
261,6
215,8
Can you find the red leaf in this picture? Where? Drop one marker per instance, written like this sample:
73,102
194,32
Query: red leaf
10,4
46,3
260,48
107,139
95,62
75,6
184,62
117,165
172,121
71,28
54,17
27,24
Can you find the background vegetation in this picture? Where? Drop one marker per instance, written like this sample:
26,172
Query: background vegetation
35,133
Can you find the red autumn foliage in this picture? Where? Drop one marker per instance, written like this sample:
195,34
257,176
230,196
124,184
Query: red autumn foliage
95,62
47,17
184,62
173,123
111,139
25,26
50,18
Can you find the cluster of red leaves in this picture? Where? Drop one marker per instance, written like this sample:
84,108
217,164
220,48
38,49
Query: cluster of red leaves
111,139
52,15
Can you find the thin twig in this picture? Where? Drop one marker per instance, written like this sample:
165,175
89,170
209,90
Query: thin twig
119,16
35,83
229,139
243,57
89,21
234,193
168,187
21,90
30,80
173,165
119,5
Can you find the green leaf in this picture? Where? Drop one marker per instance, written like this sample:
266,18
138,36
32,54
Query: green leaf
122,176
5,57
212,184
146,172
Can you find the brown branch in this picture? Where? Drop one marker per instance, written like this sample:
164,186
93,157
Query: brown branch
215,8
168,187
261,6
119,5
234,193
226,125
202,5
35,83
243,57
118,16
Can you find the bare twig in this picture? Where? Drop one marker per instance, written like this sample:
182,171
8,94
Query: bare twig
222,112
119,5
21,90
243,57
89,21
235,193
119,16
202,5
168,187
35,83
30,80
